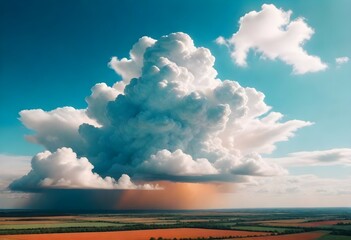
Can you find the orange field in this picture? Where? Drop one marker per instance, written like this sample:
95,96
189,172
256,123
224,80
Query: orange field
35,220
296,236
135,235
27,222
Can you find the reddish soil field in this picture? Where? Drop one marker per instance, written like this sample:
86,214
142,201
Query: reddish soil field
29,222
296,236
135,235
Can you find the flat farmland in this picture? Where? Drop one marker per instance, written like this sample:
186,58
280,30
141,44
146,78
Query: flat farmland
137,234
302,223
273,224
322,223
334,237
144,220
59,225
260,228
285,222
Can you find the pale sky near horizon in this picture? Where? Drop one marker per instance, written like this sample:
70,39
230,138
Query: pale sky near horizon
295,52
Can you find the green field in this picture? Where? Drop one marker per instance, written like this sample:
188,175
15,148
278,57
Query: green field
260,229
334,237
59,225
338,227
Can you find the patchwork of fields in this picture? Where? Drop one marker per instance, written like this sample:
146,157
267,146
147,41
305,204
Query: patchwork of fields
247,224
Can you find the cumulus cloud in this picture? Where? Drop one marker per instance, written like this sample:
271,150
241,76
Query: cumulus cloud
131,68
338,156
253,164
169,116
272,33
341,60
177,163
97,102
62,169
57,128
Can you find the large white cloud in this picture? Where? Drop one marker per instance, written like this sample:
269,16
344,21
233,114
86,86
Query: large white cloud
169,116
272,33
62,169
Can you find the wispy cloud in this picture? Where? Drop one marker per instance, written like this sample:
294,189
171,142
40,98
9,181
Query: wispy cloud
338,156
289,185
14,165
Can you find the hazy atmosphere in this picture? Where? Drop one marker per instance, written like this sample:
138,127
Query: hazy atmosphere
175,104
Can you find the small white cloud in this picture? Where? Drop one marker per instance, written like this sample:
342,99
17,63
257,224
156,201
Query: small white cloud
341,60
272,33
221,41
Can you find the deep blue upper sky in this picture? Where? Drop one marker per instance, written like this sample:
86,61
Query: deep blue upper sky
52,52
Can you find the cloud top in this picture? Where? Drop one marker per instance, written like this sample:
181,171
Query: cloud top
273,34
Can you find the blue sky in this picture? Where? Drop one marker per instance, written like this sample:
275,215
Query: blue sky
53,52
